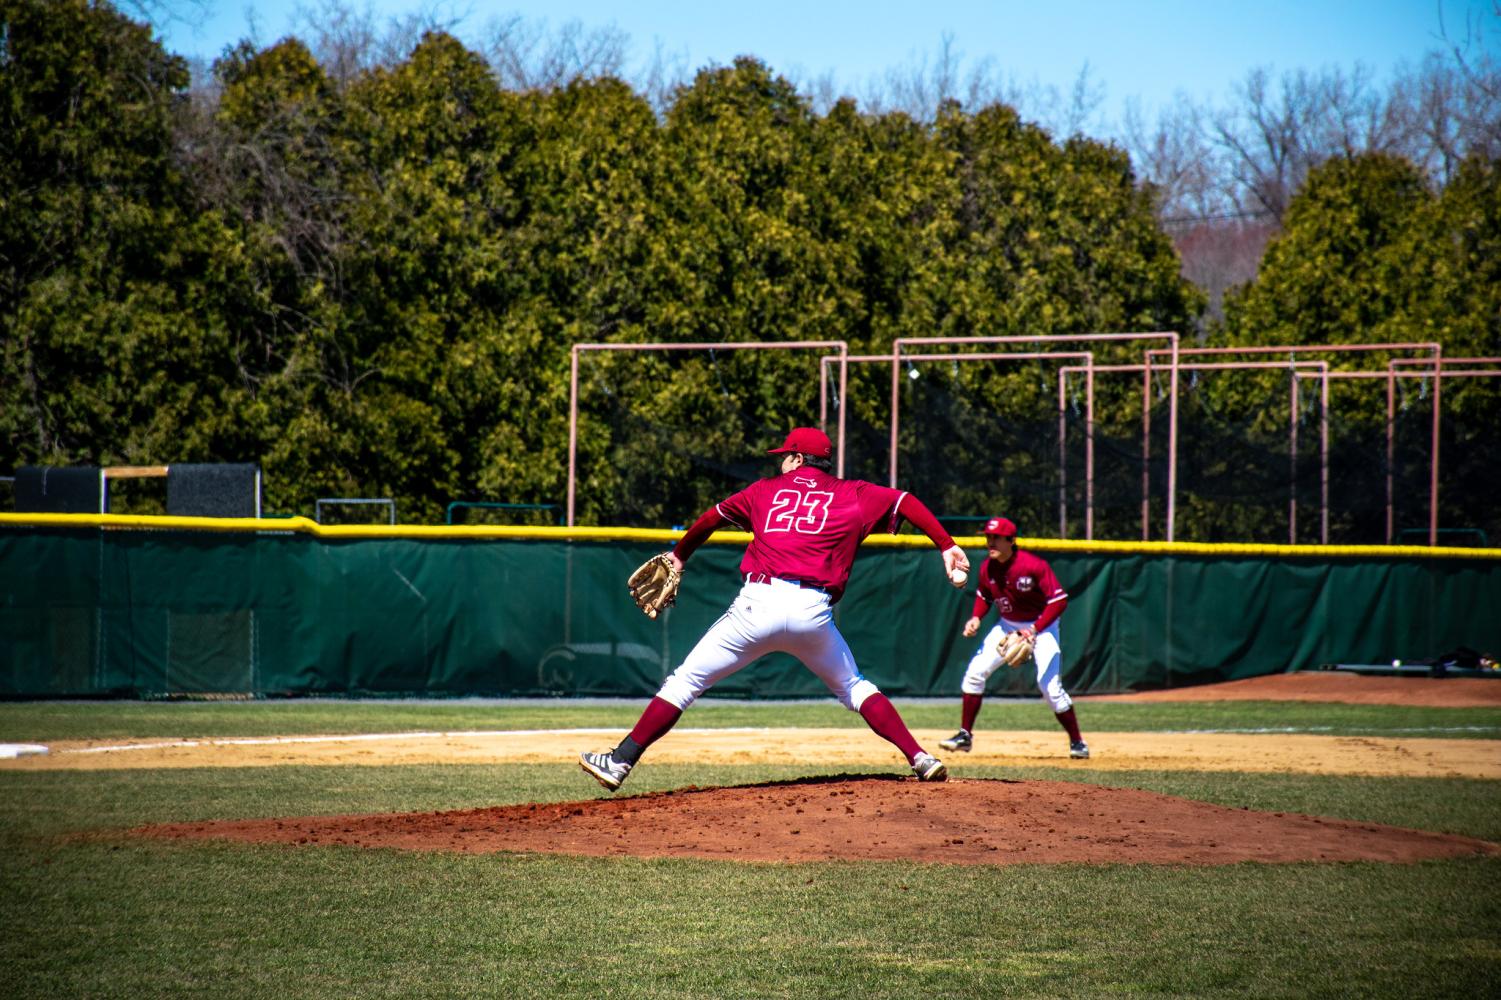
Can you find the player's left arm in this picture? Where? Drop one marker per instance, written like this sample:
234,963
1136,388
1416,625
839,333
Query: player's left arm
698,533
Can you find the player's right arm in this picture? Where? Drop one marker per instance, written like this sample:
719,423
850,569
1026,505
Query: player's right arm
923,519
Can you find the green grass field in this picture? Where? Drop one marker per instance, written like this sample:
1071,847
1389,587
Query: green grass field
91,912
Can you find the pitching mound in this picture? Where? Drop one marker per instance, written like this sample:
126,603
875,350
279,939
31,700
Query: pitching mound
870,818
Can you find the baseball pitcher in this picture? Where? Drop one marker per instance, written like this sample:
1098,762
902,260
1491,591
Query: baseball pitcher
807,525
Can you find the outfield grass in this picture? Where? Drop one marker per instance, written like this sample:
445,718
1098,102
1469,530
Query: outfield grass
91,912
42,721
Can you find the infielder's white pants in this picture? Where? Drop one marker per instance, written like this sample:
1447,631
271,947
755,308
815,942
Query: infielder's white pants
775,617
1045,654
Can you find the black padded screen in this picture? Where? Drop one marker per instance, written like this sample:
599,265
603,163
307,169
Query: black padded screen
45,490
213,490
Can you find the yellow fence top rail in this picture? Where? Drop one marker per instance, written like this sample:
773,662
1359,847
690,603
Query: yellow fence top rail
303,525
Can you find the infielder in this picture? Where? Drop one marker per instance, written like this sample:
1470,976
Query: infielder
1022,588
807,525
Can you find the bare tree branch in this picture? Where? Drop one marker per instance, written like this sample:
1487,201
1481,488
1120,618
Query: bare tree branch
347,40
527,55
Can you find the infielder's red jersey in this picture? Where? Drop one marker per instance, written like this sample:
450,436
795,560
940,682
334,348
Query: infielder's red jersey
808,524
1020,588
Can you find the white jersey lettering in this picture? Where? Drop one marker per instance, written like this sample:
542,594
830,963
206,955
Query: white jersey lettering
805,513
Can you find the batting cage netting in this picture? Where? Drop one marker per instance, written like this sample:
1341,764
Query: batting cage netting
1278,454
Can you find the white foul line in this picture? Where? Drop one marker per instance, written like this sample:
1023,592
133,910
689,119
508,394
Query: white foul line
371,737
464,733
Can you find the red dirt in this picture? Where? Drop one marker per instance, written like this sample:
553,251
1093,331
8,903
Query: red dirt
870,818
1337,686
882,818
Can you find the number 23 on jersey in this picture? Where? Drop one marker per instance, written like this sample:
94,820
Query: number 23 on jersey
795,510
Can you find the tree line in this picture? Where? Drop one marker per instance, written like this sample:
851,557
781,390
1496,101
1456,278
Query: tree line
1223,170
367,275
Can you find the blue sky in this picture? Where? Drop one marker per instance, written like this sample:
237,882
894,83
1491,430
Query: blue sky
1147,50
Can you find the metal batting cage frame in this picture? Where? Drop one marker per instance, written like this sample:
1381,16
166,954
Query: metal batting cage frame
800,345
1435,349
1172,350
1438,373
1088,366
1146,371
897,357
1172,361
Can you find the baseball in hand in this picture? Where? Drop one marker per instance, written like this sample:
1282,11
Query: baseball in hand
958,577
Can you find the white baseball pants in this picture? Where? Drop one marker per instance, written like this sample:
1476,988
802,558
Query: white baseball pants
774,617
1045,654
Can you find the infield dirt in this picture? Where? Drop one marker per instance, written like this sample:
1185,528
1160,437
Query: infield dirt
877,817
1410,756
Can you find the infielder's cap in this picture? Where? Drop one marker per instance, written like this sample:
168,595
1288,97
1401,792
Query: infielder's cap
808,441
1000,526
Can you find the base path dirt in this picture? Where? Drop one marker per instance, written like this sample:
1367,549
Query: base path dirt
1339,686
1415,755
870,818
1267,752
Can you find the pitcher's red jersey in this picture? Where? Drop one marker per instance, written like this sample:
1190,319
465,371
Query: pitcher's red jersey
808,524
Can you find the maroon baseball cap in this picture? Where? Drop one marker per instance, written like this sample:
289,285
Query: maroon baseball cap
808,441
1000,526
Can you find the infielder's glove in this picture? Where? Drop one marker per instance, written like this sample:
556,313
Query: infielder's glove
1015,649
654,585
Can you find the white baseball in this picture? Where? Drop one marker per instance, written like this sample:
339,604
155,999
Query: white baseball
958,577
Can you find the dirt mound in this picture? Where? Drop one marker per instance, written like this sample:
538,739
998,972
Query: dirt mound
1340,686
870,818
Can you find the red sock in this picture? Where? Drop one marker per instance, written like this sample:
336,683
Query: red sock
1068,722
886,722
655,721
971,711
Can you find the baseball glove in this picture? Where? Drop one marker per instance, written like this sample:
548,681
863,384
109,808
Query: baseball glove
654,585
1015,649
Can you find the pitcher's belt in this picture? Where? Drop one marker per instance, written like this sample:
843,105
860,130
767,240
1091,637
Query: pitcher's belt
768,578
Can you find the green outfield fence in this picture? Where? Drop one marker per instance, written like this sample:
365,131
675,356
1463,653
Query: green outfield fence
149,607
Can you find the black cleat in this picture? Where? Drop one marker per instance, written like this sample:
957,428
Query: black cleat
961,740
605,769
